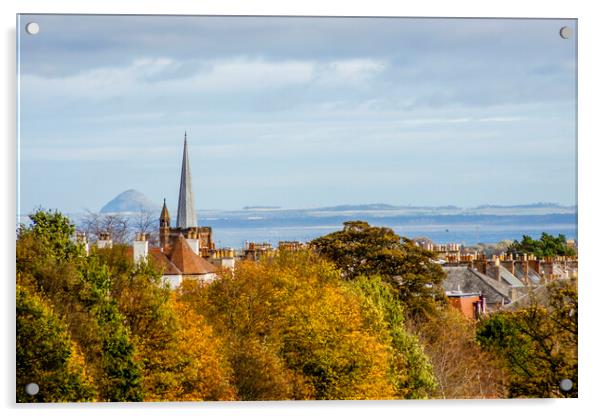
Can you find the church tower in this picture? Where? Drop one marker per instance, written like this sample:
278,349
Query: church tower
186,214
199,238
164,225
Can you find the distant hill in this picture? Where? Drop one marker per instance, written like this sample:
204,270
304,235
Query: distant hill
261,207
532,205
344,207
129,201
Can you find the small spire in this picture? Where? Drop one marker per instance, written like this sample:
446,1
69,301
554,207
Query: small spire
164,213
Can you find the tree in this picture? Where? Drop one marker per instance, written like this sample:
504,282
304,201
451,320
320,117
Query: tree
79,289
360,249
410,368
115,224
293,329
537,345
52,233
147,222
46,354
544,247
179,355
462,368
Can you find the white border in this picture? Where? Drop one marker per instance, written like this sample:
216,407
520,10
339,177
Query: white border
589,195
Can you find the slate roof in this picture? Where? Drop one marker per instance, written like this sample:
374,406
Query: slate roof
533,277
507,276
184,258
539,295
467,279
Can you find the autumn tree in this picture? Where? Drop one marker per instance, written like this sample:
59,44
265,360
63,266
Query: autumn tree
293,329
179,355
537,344
46,354
79,289
410,368
360,249
461,367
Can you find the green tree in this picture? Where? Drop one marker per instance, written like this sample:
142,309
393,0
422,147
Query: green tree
546,246
46,354
537,344
360,249
410,369
79,289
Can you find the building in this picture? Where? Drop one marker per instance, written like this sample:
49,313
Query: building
467,280
470,304
199,238
254,251
185,251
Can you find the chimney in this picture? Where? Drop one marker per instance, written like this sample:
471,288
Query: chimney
535,265
82,239
140,248
104,240
493,269
480,265
525,266
194,244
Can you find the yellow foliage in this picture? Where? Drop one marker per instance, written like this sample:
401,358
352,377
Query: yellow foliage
293,330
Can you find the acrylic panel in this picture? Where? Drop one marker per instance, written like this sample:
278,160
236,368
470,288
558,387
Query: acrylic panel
246,208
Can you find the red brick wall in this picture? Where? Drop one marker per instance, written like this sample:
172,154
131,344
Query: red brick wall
464,305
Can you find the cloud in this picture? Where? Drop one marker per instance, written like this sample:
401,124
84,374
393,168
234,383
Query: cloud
350,70
159,76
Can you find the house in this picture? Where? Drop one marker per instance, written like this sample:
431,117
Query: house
471,305
179,263
464,279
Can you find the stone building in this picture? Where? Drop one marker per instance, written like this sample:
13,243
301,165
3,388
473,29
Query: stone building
186,250
199,238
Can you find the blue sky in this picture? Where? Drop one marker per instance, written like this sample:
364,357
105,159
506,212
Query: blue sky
297,112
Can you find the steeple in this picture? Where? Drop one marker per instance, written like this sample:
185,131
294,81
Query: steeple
164,226
164,220
186,213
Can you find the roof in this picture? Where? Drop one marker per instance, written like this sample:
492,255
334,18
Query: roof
539,295
532,275
507,276
460,294
162,261
187,261
466,279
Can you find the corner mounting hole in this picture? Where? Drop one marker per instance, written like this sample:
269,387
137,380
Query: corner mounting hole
32,388
565,32
32,28
566,385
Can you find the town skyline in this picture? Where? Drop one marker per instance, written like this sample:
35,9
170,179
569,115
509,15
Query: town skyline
297,112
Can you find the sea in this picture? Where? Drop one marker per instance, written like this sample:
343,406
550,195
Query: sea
233,229
486,224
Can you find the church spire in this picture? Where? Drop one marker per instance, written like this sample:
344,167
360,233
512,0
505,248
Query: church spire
164,219
186,213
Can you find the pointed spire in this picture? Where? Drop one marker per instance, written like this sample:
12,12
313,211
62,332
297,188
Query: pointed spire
164,214
186,213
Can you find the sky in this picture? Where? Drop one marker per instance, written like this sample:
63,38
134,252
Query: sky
296,112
